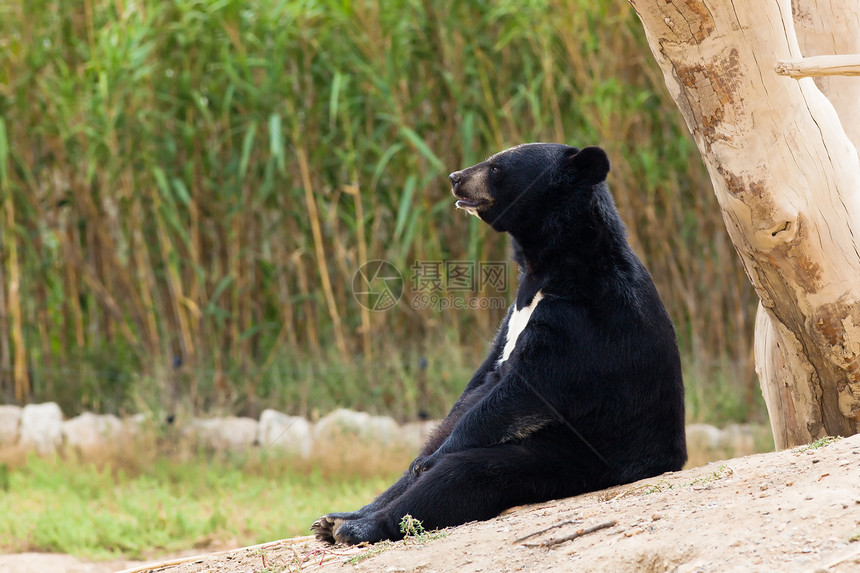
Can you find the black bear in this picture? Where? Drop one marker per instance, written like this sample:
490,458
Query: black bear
582,389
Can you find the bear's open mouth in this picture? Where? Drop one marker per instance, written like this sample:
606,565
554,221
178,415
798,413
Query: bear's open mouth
471,204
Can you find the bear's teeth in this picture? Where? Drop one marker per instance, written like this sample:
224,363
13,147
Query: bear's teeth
471,210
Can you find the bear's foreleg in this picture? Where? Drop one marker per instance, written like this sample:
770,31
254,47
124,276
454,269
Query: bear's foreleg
471,485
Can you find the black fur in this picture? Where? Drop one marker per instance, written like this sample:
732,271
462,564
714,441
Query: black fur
590,397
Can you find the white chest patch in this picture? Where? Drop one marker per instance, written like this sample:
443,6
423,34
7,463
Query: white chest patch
516,325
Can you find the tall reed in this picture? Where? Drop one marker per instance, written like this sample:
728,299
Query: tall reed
188,188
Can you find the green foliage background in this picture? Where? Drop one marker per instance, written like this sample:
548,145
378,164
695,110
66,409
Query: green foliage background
188,187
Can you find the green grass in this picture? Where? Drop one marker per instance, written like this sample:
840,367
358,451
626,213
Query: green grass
413,532
820,443
721,472
100,513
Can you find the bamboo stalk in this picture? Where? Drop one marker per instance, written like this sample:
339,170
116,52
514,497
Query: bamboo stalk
355,191
46,358
310,315
174,281
5,356
6,236
20,379
112,267
284,294
313,215
194,251
75,260
19,359
145,282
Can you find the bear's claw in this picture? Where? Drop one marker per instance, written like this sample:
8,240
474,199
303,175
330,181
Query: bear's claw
324,529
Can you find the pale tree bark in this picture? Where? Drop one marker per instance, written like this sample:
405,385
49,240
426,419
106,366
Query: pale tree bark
787,178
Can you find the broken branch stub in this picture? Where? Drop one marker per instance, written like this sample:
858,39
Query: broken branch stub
817,66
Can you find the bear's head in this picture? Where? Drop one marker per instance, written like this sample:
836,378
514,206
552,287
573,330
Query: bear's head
517,189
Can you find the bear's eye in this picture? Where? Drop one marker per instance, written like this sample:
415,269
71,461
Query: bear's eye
495,168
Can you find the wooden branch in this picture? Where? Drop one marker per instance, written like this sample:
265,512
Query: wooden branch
572,536
824,27
151,567
817,66
545,529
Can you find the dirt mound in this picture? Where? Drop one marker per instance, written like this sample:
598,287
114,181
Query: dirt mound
797,510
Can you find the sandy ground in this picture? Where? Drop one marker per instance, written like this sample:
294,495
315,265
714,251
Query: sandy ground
797,510
54,563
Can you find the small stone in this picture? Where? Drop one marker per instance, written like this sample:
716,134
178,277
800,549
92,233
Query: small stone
231,433
287,434
90,433
10,419
656,516
41,427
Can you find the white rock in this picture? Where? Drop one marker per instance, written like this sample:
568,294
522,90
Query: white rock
344,423
41,427
703,437
10,420
234,434
133,426
283,433
90,432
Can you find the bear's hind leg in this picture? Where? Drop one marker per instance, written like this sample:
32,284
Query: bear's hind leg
475,484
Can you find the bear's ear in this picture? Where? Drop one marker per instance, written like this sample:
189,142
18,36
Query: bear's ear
591,165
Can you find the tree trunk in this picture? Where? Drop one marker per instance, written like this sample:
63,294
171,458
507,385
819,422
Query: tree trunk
787,178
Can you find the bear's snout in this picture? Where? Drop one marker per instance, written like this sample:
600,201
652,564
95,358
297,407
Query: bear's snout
469,186
455,178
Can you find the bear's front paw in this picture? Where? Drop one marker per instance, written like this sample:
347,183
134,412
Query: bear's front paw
366,530
324,528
